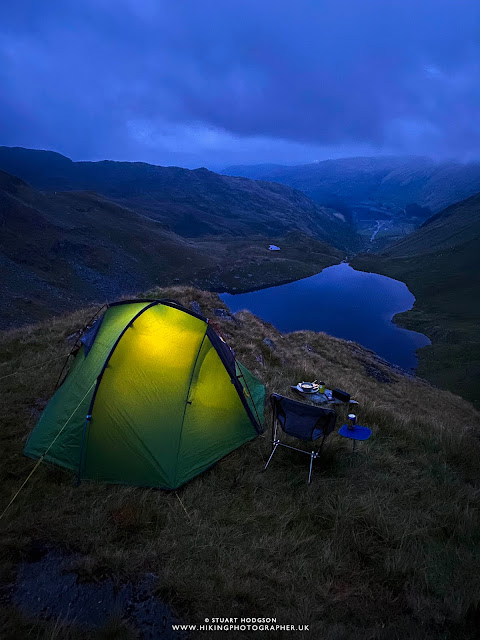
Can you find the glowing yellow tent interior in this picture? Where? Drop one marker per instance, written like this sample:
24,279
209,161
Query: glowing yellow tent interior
154,397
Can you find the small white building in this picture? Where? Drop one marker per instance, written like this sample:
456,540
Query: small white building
273,247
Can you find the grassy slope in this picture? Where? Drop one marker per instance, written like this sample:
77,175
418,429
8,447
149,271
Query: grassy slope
440,264
447,311
382,545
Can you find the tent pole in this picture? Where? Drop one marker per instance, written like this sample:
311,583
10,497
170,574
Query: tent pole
82,447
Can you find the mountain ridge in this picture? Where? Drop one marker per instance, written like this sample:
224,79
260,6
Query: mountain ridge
419,177
193,203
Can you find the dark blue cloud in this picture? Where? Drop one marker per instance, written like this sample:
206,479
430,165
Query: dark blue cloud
211,82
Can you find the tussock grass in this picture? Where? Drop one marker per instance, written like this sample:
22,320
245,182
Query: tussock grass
384,543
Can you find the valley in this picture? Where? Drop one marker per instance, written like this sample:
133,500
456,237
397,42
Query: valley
378,224
81,232
403,191
418,221
62,249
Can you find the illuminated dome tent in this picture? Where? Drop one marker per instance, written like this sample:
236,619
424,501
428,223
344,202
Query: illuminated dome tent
154,397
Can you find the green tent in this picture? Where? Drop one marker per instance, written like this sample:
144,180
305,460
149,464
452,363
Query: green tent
154,397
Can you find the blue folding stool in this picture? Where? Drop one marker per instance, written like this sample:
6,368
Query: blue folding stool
355,434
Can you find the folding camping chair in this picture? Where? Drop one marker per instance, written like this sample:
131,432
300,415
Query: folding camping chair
302,421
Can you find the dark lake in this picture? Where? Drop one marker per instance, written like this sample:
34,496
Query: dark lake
345,303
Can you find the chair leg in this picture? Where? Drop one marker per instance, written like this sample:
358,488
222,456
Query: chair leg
312,456
275,442
271,455
321,445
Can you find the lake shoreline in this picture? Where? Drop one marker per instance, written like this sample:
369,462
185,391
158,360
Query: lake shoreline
451,361
361,308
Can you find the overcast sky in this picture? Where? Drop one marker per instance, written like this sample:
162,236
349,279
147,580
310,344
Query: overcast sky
212,83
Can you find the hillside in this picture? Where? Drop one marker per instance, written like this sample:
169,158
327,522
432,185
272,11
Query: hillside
452,227
378,192
440,264
190,203
61,250
383,544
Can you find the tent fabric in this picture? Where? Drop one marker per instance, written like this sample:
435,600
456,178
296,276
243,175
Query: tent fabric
165,397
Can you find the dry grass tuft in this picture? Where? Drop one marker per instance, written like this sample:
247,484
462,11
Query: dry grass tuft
383,544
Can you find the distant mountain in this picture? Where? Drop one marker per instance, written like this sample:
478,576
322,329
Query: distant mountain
61,250
190,203
255,171
440,263
387,179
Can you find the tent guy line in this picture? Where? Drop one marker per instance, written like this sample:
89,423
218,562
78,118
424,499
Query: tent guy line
42,457
40,364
